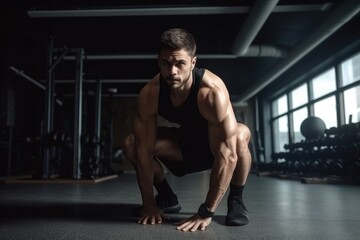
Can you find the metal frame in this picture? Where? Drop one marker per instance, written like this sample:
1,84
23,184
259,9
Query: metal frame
78,114
49,110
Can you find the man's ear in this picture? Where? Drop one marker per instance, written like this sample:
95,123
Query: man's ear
193,63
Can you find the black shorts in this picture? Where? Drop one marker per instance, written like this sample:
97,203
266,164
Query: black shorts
197,156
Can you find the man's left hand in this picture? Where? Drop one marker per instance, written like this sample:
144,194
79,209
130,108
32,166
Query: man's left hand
194,223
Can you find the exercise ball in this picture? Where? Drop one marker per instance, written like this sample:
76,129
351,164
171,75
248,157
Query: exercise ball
313,127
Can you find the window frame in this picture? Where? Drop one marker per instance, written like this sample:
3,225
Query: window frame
338,93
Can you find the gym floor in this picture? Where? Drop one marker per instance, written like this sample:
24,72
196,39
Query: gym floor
278,209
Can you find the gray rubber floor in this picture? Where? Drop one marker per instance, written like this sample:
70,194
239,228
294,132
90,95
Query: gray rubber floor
278,209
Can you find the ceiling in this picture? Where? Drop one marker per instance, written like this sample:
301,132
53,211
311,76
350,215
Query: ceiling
249,44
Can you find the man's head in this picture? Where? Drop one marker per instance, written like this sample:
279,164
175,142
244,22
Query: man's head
178,38
177,57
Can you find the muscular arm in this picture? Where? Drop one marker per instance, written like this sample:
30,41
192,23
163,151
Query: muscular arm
215,105
145,135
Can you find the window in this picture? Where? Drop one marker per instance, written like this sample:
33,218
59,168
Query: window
352,104
299,96
350,70
279,106
324,83
326,110
318,97
298,117
281,129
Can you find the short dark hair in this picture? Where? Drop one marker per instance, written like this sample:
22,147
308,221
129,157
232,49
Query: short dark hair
178,38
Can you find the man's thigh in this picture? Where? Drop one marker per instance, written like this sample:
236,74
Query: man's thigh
190,154
167,145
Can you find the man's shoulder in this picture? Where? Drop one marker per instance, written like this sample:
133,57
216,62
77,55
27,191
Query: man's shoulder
212,84
155,81
213,97
151,87
148,97
210,79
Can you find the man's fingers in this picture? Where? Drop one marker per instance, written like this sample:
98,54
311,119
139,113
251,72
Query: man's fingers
150,220
192,224
203,226
195,227
186,226
143,220
182,225
158,219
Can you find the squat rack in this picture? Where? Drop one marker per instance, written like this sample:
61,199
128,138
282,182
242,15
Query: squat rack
54,57
78,107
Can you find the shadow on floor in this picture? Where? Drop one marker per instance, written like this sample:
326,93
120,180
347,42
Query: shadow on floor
85,211
81,211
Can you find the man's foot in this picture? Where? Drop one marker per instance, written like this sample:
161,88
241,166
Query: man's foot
236,215
168,204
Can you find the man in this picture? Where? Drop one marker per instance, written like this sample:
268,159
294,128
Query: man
206,136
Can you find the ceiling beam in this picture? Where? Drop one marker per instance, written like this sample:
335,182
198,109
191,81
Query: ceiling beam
155,11
162,11
103,80
252,51
255,20
340,15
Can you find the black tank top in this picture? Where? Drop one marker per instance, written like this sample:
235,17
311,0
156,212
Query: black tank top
187,115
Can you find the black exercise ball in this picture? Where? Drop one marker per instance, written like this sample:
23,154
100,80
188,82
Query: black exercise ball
313,127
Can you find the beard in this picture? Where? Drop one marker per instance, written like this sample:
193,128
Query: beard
177,83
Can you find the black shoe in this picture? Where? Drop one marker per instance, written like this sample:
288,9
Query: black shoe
236,215
168,204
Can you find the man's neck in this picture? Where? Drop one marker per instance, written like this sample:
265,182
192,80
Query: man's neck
179,96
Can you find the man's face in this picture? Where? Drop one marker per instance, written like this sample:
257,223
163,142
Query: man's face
175,67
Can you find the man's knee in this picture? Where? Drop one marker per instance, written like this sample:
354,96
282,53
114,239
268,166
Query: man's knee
128,146
244,134
129,141
243,151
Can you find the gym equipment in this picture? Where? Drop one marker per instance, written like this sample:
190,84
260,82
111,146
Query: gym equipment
89,161
333,152
55,145
111,113
313,127
29,150
60,153
49,109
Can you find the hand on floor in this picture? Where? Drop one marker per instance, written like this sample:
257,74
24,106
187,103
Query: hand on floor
151,215
193,223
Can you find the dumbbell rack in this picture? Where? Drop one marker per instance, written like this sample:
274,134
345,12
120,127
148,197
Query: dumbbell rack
332,158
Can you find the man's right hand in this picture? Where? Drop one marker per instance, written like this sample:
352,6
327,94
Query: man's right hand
151,215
